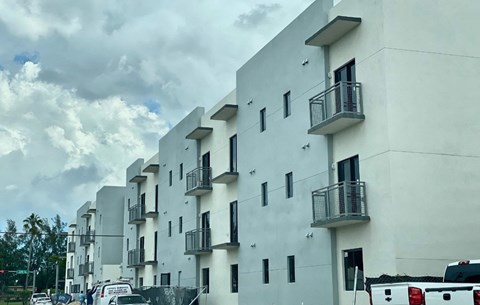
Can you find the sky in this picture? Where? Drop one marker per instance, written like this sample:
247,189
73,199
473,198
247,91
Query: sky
87,87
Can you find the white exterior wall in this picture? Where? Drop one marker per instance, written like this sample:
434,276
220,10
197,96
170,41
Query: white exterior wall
147,229
418,64
218,203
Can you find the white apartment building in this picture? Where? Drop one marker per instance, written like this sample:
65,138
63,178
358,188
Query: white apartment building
143,215
398,112
356,148
215,240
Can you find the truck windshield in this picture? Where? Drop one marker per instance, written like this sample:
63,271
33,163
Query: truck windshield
466,273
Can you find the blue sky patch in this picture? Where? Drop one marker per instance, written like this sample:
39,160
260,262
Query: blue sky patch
24,57
153,106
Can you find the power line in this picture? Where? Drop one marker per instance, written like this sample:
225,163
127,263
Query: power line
64,234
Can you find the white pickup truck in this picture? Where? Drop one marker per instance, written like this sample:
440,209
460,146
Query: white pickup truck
461,286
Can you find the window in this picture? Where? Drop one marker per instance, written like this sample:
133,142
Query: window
264,194
265,271
234,222
128,244
169,228
142,202
351,259
140,281
179,277
165,279
233,153
234,278
154,280
155,244
287,105
156,198
128,204
291,268
180,224
181,171
98,252
170,178
289,185
206,279
263,119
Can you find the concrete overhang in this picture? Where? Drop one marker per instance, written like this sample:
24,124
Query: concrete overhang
199,133
333,31
225,113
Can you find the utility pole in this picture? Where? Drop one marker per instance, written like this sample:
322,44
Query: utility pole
56,279
34,277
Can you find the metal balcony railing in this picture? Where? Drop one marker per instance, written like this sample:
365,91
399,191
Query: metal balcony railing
87,238
136,213
198,241
71,246
136,257
199,178
81,269
340,204
341,101
70,273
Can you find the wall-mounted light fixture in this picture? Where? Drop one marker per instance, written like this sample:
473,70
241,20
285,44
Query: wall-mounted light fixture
253,245
304,62
306,146
186,147
249,102
309,235
252,171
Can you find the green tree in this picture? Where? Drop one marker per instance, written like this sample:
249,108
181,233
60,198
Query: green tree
10,255
32,225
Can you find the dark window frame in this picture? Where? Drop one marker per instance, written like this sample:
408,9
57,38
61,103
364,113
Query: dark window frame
263,119
169,228
181,171
289,185
165,279
352,258
180,224
264,194
291,268
265,271
287,104
170,178
206,279
234,278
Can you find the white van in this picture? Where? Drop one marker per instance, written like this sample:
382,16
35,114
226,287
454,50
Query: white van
103,293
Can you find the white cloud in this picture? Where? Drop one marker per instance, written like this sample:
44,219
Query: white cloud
67,143
77,119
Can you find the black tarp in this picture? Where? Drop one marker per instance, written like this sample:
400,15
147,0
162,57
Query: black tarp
169,295
388,279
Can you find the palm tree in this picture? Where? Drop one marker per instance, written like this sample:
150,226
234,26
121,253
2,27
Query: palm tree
32,225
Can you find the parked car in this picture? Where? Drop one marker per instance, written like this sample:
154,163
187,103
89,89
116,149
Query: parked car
36,296
44,301
129,299
103,293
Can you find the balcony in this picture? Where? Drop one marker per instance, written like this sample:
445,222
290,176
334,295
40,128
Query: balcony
81,269
71,247
88,268
199,181
70,273
226,178
336,108
136,214
341,204
87,238
136,258
198,242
